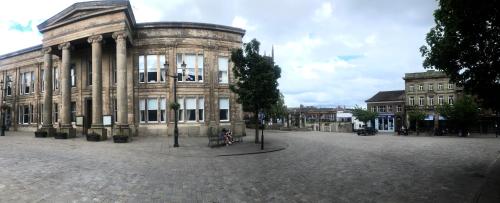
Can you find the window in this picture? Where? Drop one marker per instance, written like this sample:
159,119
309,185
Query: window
163,110
412,88
115,110
450,100
89,72
26,83
24,114
431,87
431,101
223,67
141,69
373,109
421,101
224,109
142,110
381,108
440,100
450,86
389,107
411,101
152,110
73,111
113,68
9,85
55,83
191,109
421,87
194,67
32,83
200,68
42,83
440,86
149,66
152,64
40,112
56,114
399,109
73,76
201,108
162,68
180,113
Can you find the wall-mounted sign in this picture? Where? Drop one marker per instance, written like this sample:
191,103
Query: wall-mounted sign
106,120
79,121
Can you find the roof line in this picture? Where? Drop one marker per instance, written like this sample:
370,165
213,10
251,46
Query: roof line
22,51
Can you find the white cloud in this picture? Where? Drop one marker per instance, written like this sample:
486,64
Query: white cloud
242,23
323,12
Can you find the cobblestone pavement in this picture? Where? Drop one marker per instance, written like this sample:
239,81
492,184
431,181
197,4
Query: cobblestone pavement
314,167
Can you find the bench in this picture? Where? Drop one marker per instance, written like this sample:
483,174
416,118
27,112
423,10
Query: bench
215,140
218,139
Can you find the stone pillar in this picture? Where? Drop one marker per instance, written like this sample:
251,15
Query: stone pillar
47,126
66,126
122,127
97,125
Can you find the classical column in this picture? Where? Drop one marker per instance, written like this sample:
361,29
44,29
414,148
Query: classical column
66,126
97,125
121,84
47,99
65,85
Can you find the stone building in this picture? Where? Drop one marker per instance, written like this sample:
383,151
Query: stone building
97,70
390,106
427,90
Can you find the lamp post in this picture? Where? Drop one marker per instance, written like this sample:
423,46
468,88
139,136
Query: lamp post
3,103
176,129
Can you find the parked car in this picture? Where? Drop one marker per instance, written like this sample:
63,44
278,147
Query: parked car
367,131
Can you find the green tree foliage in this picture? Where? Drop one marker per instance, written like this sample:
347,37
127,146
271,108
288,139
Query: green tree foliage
465,44
256,80
462,114
364,115
279,109
416,116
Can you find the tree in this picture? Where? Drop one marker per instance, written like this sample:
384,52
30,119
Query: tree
416,116
462,114
465,44
364,115
278,109
256,80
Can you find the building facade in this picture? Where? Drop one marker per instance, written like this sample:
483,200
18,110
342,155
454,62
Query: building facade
97,70
427,90
390,107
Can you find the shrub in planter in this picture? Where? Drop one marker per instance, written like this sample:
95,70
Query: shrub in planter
40,134
120,139
93,137
60,135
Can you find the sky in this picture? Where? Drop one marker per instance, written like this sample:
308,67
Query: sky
331,52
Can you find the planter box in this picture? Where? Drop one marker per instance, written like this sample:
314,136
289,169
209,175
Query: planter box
120,139
93,137
60,135
40,134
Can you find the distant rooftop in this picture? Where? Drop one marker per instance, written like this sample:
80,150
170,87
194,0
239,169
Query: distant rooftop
426,74
383,96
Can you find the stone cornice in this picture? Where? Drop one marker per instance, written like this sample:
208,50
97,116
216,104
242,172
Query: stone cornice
192,25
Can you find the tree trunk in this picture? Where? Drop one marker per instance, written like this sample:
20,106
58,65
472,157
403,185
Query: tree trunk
256,121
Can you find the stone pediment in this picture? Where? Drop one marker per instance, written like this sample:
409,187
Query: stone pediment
84,10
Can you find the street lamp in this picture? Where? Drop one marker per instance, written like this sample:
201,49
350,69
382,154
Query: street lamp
176,129
4,103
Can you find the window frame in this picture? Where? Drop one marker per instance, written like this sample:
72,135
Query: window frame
228,114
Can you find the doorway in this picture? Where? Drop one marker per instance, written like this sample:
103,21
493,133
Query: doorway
87,121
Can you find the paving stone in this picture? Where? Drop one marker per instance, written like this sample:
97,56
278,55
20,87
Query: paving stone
313,167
